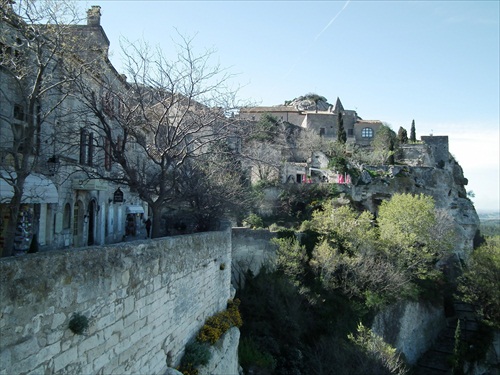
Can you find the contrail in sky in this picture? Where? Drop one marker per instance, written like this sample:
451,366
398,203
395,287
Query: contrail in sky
333,19
317,36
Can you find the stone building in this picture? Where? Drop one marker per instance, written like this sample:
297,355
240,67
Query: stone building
320,117
64,203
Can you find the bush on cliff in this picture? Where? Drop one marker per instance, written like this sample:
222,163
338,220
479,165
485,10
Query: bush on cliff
338,273
220,323
480,283
197,353
383,260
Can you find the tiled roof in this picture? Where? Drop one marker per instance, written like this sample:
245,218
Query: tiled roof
368,122
278,108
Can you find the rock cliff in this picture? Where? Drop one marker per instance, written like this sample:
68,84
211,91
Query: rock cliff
410,327
443,179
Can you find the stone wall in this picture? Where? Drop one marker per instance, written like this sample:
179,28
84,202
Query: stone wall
438,146
144,300
251,250
415,155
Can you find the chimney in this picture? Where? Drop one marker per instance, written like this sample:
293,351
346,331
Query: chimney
94,16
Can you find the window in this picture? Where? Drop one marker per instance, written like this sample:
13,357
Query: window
367,133
322,131
19,112
119,144
108,104
90,150
76,213
86,147
350,132
83,145
67,216
107,154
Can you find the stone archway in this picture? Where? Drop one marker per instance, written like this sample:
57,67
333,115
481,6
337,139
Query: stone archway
91,223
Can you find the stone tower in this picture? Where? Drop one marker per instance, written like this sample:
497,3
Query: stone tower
94,16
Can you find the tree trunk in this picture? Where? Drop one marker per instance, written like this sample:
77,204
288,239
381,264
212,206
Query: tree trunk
10,233
156,230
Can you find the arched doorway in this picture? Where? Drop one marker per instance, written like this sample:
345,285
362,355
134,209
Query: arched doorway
92,212
78,217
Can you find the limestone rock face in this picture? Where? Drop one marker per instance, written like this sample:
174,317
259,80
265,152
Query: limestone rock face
410,327
446,185
224,355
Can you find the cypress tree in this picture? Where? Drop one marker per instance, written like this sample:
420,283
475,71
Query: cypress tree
413,136
341,134
402,135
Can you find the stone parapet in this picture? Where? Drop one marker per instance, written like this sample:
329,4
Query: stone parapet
144,301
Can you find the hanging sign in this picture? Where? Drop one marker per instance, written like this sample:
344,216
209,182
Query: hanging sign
118,196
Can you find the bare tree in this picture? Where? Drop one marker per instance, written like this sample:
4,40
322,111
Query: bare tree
264,161
152,124
309,141
33,37
264,148
214,185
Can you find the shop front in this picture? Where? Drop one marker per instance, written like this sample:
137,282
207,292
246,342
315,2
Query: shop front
38,197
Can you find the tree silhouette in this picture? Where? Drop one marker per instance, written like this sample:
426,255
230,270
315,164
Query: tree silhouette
413,136
154,125
341,134
402,135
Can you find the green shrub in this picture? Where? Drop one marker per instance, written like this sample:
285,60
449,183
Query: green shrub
196,354
253,221
377,348
220,323
274,227
78,324
305,226
479,283
250,354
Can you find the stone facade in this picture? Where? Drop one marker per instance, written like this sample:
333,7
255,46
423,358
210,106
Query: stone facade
439,148
84,211
322,121
144,301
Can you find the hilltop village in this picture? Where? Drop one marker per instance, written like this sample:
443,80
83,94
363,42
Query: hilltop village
146,229
67,147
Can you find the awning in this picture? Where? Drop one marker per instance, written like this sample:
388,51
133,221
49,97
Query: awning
135,210
37,189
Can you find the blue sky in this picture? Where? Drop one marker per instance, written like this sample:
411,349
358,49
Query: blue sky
433,61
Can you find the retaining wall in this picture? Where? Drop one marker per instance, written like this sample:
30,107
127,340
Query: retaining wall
144,301
252,250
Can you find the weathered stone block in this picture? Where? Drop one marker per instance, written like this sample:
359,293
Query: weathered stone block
57,320
25,349
65,358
